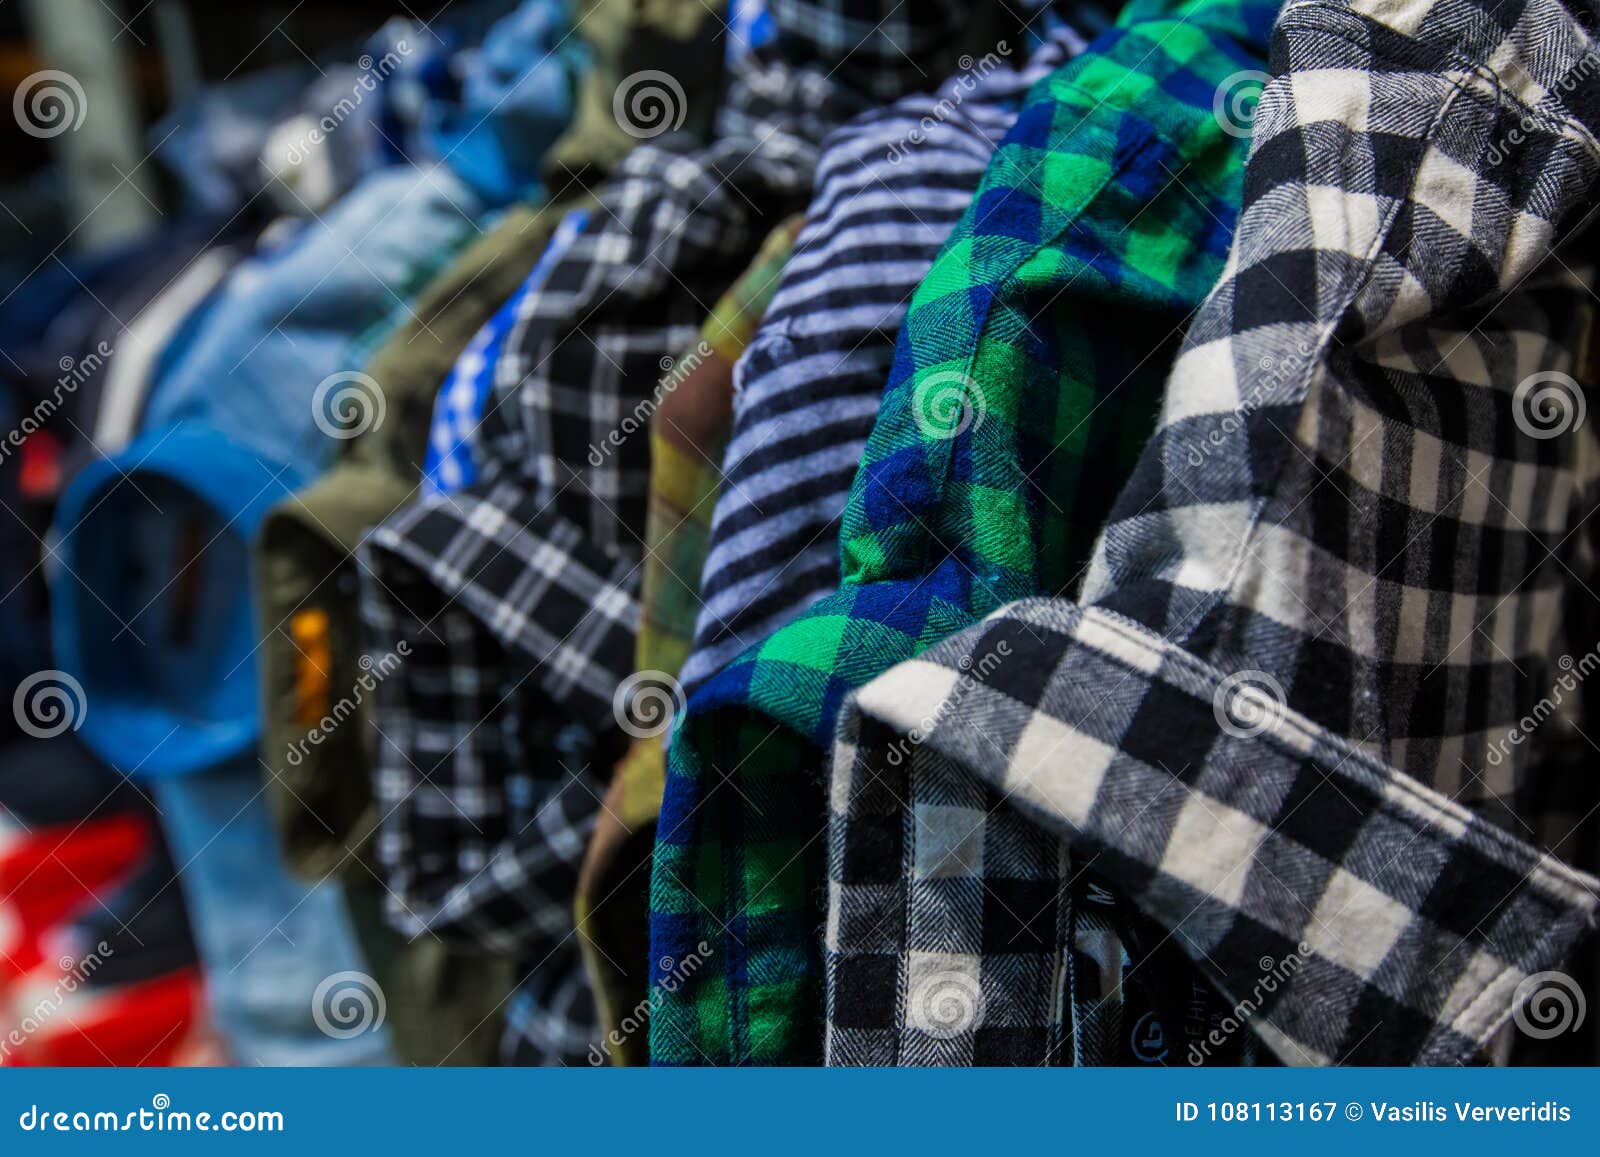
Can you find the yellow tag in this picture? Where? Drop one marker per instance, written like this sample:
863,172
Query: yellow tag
313,662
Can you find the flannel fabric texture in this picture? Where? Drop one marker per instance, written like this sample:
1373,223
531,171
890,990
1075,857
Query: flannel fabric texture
304,557
888,192
312,648
520,784
459,407
315,669
1026,376
306,562
542,552
1319,699
686,436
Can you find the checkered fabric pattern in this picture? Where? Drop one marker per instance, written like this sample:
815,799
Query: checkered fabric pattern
686,435
1027,373
459,408
497,810
968,922
1318,698
890,187
543,550
882,49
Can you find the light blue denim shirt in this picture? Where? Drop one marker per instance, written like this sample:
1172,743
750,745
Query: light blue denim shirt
151,609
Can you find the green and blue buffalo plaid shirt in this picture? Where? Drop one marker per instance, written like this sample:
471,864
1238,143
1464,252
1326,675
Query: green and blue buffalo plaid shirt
1026,380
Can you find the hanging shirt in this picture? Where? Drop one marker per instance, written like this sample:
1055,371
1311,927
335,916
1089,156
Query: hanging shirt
1319,699
1025,378
686,433
542,552
458,410
890,187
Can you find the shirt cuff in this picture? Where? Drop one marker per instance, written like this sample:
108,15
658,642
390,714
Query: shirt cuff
1353,913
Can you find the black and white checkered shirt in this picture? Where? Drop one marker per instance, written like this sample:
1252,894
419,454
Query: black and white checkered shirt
1318,709
518,595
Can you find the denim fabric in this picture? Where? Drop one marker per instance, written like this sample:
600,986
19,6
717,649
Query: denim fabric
271,946
296,312
175,691
516,98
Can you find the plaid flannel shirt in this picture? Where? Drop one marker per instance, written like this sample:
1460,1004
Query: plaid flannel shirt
1027,374
890,187
542,552
459,407
1318,701
686,436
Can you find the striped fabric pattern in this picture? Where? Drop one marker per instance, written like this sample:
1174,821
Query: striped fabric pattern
748,861
888,192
